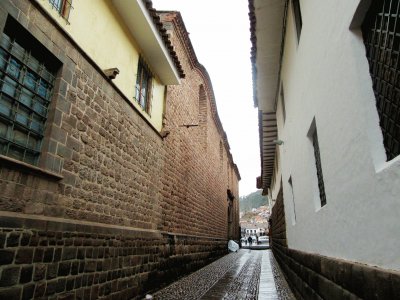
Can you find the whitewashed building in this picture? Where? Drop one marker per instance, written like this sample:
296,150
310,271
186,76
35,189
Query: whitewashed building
326,78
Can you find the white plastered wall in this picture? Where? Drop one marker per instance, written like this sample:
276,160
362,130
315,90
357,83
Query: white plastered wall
326,77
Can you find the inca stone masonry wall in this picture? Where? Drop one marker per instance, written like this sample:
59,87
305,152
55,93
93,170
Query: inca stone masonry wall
313,276
113,209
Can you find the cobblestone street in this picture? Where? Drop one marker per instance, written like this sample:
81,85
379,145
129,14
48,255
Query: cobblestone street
247,274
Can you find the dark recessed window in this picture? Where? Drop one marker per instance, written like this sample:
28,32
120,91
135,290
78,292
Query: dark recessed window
283,104
381,32
297,17
294,205
26,85
144,83
318,165
62,6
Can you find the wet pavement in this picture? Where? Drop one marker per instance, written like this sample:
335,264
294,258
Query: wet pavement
246,274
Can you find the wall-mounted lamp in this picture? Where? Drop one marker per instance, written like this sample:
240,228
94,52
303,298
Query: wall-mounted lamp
278,142
111,73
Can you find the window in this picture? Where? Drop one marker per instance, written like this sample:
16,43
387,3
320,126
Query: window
62,6
143,85
381,32
321,185
283,104
294,206
26,85
297,17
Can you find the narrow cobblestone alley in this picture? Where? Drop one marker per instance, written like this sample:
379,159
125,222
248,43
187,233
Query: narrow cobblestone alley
247,274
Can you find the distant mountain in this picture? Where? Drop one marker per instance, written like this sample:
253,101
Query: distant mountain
253,200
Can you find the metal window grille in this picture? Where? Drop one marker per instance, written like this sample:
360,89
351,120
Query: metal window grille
381,31
63,7
297,17
283,104
143,86
320,177
294,205
25,91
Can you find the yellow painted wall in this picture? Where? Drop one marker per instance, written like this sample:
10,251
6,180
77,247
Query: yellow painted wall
98,29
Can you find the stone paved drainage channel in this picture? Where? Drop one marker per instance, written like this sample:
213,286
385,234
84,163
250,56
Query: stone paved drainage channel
247,274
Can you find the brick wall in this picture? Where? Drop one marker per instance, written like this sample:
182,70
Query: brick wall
107,180
195,151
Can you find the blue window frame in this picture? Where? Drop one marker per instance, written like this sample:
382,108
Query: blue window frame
25,91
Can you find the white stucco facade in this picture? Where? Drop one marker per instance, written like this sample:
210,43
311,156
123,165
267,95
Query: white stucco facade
327,85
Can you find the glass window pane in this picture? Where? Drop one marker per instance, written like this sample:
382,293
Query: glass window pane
9,86
14,68
3,59
20,137
34,64
15,152
3,147
22,116
26,97
37,124
5,42
39,108
30,158
47,76
30,80
3,130
5,106
18,51
43,88
33,143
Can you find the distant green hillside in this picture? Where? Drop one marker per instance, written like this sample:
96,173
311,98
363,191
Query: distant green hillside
253,200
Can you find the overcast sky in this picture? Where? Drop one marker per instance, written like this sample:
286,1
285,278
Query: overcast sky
219,31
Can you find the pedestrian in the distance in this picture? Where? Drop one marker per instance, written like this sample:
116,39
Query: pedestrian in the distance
250,240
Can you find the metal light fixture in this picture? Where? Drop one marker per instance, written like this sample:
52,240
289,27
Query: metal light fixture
278,142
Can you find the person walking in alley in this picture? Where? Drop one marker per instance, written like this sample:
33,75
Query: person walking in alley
250,240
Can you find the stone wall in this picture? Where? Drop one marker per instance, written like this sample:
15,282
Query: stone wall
48,258
113,208
313,276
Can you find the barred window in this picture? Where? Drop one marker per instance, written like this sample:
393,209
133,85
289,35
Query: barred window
318,165
297,17
25,90
63,7
144,83
283,104
381,32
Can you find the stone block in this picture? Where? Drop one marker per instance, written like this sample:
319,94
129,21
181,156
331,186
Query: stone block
26,274
3,237
70,284
25,239
11,293
24,256
40,289
61,285
51,287
40,272
27,292
52,270
48,255
64,268
9,276
13,239
6,256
